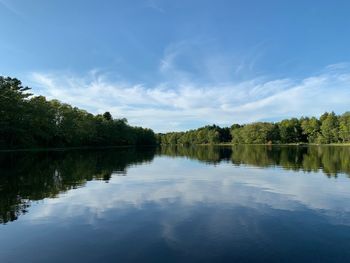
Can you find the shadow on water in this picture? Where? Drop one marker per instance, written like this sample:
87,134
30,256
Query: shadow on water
31,176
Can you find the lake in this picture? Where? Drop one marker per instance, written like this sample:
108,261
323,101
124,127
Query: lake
176,204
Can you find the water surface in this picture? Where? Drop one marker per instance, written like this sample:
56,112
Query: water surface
176,204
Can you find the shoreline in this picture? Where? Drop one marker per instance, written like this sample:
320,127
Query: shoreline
58,149
266,144
61,149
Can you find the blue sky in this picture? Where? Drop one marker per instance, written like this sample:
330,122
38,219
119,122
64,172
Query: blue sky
175,65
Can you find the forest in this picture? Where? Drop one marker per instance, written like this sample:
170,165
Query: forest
329,128
28,121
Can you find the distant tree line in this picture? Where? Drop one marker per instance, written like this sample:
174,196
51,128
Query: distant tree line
204,135
28,121
329,128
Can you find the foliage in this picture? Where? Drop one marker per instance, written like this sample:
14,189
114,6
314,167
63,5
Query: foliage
329,128
255,133
344,127
311,128
32,121
28,121
290,131
205,135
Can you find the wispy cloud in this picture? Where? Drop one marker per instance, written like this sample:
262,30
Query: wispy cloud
154,5
184,104
202,59
10,7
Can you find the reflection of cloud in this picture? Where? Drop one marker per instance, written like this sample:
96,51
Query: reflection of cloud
182,103
190,186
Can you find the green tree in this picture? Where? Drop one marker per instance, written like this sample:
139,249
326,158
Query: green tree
42,123
344,127
259,133
310,128
329,128
27,121
290,131
13,112
108,116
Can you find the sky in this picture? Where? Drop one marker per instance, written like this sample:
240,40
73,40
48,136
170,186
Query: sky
177,65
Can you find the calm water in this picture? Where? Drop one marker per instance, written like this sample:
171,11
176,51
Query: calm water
199,204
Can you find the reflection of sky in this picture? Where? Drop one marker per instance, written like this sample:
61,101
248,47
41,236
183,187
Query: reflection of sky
184,209
187,183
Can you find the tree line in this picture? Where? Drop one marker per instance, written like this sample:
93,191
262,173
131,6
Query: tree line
329,128
28,121
210,134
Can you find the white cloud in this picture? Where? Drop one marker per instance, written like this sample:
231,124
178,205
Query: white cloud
182,103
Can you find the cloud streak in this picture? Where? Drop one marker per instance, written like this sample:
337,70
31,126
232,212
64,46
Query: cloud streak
183,104
10,7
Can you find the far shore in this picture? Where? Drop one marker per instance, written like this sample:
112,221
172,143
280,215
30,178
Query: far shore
267,144
58,149
133,146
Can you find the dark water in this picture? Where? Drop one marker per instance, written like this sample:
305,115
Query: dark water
175,204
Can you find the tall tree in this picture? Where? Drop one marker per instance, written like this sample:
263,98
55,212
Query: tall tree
311,128
329,128
27,121
344,127
13,112
108,116
290,131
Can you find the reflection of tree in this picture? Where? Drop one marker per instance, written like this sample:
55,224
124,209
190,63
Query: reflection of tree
26,177
330,159
205,153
